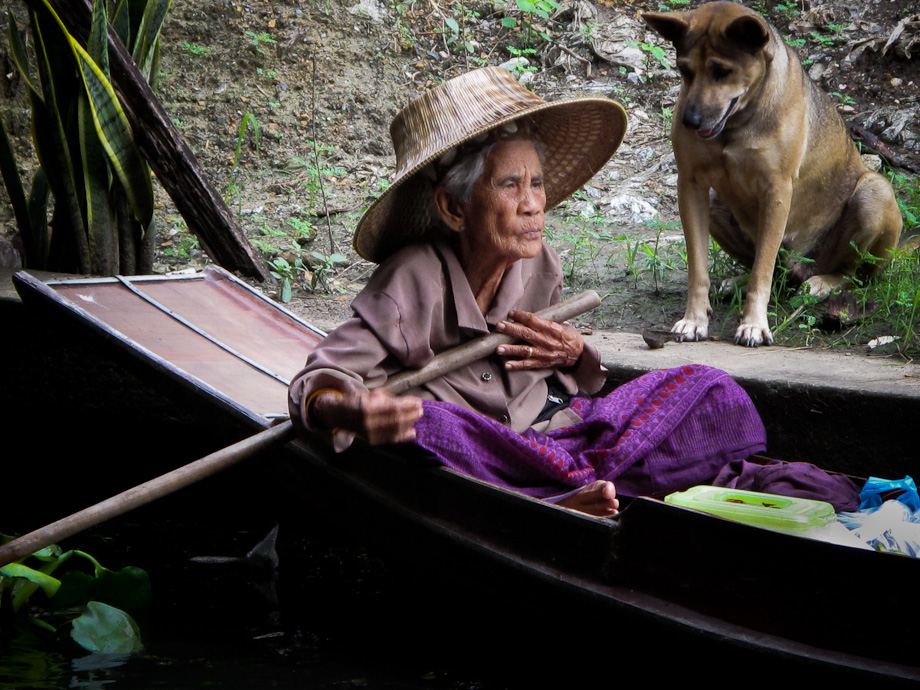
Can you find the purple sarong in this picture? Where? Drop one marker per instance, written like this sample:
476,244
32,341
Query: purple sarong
665,431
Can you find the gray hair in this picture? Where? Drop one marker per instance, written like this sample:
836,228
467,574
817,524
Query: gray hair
462,168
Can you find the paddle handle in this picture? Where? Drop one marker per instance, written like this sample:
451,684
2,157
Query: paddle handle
484,346
277,435
145,493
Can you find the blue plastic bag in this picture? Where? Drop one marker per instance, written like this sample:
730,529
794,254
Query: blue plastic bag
871,494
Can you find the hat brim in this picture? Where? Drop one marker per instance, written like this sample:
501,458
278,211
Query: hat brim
578,137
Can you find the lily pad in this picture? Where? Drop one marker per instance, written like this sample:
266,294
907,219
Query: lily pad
103,628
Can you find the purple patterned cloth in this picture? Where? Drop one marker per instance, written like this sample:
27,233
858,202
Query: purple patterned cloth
663,432
796,479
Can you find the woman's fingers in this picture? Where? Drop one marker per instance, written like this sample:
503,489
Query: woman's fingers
547,343
376,415
389,419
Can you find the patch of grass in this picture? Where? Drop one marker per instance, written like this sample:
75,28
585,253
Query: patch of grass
286,272
200,51
403,35
667,117
312,176
179,242
303,228
658,259
249,120
889,303
907,193
656,53
259,40
579,249
323,267
896,291
531,21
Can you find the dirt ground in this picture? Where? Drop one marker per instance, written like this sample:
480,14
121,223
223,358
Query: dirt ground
287,105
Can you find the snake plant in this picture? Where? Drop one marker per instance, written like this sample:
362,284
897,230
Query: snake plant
102,212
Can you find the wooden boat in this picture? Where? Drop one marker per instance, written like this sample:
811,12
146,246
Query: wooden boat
706,585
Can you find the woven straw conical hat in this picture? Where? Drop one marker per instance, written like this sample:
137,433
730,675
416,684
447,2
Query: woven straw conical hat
578,136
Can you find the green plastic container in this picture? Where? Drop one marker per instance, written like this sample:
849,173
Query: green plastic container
780,513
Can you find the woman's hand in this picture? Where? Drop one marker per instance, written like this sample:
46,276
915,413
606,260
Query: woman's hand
547,344
376,416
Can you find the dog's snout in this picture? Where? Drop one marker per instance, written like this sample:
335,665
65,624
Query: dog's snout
692,119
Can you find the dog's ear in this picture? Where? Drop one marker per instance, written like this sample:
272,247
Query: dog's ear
750,33
670,25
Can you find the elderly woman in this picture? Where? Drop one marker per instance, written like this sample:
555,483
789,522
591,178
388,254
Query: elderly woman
459,239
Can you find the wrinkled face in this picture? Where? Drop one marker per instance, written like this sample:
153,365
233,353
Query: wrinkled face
504,218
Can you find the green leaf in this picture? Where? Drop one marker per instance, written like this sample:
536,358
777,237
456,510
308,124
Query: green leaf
49,553
114,132
128,588
106,629
10,173
48,583
122,23
286,291
509,22
452,24
18,52
103,249
97,45
38,217
49,134
149,34
74,590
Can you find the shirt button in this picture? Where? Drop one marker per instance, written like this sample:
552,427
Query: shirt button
486,376
503,419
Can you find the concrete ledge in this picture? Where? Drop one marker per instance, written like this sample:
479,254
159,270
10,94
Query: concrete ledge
778,365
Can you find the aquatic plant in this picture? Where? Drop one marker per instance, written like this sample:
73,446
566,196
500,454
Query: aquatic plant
93,606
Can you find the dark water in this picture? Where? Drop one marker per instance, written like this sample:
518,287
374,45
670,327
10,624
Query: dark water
337,612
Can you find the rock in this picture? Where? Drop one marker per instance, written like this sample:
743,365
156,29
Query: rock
368,9
516,63
872,161
633,207
9,256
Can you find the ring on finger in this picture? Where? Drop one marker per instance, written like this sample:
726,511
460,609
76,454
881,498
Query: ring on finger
529,352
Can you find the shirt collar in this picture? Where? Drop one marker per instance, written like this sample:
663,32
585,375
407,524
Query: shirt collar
510,292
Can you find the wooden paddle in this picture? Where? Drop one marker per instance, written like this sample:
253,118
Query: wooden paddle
274,436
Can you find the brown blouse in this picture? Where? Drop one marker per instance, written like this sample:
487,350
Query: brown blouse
417,304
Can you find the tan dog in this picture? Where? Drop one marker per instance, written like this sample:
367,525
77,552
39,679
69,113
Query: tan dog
752,127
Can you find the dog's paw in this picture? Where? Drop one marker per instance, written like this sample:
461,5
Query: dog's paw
689,329
750,335
823,285
730,286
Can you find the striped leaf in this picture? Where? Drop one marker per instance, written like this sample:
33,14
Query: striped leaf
98,43
18,53
121,22
38,218
103,248
10,173
54,152
149,34
114,132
